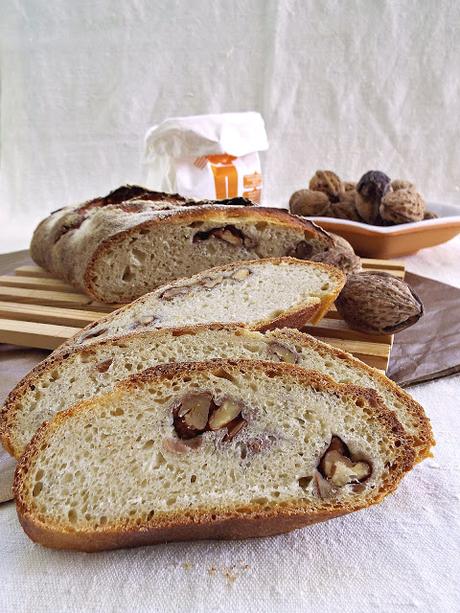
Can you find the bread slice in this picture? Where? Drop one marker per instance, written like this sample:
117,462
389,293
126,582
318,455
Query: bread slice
260,294
117,251
223,449
81,373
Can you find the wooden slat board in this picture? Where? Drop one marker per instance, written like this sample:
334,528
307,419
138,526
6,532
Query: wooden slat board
38,310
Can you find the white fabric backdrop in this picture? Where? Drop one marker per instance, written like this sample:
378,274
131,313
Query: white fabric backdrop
350,85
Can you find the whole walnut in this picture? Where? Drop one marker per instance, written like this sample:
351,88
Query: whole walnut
341,243
308,202
402,206
400,184
347,261
328,182
349,186
341,255
378,303
371,188
345,207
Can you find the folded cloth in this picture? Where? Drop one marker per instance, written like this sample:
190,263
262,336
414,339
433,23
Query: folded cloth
431,348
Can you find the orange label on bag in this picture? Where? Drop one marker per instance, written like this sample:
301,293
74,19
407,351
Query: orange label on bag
254,180
225,175
253,195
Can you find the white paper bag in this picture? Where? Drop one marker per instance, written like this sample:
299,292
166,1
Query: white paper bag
207,156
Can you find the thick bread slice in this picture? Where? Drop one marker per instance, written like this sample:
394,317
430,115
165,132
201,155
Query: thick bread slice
259,294
118,252
80,373
121,470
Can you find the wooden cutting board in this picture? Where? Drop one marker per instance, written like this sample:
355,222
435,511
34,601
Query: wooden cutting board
38,310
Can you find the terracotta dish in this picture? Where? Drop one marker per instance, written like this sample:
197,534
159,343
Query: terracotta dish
402,239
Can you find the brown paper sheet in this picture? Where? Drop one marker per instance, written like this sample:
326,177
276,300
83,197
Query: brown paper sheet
431,348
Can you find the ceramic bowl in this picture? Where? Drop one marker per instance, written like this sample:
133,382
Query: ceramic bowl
402,239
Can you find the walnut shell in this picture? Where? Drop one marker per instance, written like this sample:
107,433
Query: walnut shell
378,303
347,261
402,206
341,255
349,186
328,182
345,207
371,188
430,215
401,184
341,243
308,202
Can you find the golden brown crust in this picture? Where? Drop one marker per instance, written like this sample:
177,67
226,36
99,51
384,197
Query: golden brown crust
255,214
238,522
230,527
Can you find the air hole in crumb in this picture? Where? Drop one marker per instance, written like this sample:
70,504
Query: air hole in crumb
37,488
117,412
103,520
260,500
193,479
39,474
223,374
150,515
72,516
397,443
148,444
325,286
360,403
304,482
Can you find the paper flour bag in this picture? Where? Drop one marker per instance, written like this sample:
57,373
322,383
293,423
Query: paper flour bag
207,156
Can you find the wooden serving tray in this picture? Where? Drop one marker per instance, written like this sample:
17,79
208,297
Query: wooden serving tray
38,310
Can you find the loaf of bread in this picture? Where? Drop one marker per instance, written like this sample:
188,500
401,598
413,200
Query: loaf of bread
260,294
119,247
223,449
84,372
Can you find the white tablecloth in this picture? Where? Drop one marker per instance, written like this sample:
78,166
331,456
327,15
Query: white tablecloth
402,555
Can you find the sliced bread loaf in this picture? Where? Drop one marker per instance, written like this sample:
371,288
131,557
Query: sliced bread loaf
118,251
224,449
260,294
80,373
